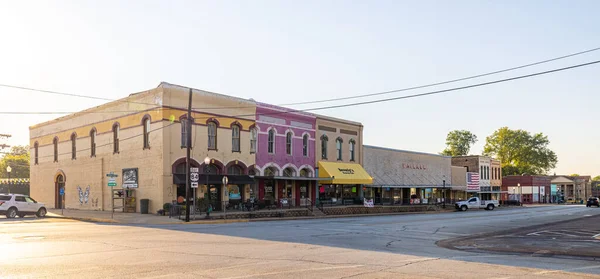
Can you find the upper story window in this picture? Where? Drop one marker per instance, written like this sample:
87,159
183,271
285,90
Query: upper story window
305,173
305,145
234,170
288,143
116,134
146,122
73,146
289,172
93,142
185,127
352,146
253,137
271,141
36,147
324,142
212,135
55,143
482,172
338,146
235,138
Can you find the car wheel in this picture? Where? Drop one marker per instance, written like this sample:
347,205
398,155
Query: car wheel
11,213
41,213
463,208
490,207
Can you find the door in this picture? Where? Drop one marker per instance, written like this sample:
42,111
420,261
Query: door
31,205
59,184
473,203
302,195
214,193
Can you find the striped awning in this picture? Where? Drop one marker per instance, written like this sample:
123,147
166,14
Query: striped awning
14,181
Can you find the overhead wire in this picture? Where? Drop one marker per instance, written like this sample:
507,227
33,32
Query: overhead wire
297,103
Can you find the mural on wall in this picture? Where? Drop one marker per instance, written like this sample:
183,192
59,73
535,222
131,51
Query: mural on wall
83,196
95,202
130,178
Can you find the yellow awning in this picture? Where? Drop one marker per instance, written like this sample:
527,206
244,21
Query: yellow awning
343,173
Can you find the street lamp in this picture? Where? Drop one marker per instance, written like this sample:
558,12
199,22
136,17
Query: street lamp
8,170
520,193
206,171
444,191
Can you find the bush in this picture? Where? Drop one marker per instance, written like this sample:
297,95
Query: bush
167,207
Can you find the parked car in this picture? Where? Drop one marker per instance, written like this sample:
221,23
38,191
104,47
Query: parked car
13,205
570,201
476,203
593,201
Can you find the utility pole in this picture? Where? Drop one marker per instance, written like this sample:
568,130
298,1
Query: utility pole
188,141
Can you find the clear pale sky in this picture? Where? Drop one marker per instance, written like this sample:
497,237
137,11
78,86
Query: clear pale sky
291,51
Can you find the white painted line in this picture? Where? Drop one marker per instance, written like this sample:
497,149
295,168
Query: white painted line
559,233
596,236
294,271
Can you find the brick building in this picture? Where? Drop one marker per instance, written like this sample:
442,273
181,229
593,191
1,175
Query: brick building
527,189
489,170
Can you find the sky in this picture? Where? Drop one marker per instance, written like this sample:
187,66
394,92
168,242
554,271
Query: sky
293,51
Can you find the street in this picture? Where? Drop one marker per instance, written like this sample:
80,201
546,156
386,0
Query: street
401,246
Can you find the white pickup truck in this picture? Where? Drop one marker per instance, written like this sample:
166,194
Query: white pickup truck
476,203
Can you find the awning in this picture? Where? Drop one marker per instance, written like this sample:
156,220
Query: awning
293,178
215,179
343,173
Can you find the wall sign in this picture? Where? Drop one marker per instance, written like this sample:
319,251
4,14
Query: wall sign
414,166
130,178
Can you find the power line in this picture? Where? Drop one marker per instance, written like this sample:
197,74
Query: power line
411,96
290,104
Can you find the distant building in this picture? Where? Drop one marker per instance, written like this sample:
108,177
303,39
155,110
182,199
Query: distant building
489,170
574,187
527,189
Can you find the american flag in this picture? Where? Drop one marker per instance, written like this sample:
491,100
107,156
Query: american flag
472,181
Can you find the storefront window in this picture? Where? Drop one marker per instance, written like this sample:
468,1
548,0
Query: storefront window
270,190
234,192
328,192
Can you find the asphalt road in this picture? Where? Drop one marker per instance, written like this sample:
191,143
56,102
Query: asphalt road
401,246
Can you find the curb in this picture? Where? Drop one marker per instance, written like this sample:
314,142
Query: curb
85,219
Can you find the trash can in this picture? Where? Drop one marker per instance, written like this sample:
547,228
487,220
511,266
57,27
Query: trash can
144,203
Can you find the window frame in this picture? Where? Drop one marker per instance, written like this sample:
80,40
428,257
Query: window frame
352,150
146,122
324,146
36,147
236,146
271,136
339,142
55,145
212,125
253,140
73,146
116,130
289,138
305,140
93,134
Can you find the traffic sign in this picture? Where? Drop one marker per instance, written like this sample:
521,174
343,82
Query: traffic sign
194,184
194,175
112,179
62,191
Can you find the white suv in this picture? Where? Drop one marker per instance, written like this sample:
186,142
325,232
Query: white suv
13,205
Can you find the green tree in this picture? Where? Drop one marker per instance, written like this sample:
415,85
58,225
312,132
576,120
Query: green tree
574,174
520,151
597,178
18,160
459,142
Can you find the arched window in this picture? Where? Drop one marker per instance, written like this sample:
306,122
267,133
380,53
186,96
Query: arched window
324,142
211,169
305,173
253,137
36,147
305,145
73,146
235,170
212,135
252,172
93,143
235,138
55,143
338,145
270,171
289,172
352,146
146,123
271,141
116,138
288,143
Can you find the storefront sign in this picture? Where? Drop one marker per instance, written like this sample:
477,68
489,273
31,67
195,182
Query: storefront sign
130,178
346,170
414,166
368,203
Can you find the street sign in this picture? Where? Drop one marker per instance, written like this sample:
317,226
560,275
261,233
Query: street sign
112,179
62,191
194,184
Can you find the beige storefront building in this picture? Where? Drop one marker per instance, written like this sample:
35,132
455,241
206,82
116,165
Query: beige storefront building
140,136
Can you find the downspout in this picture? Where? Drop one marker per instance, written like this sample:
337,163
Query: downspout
102,182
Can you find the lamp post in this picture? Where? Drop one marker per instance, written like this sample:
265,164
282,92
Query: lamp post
8,170
444,185
520,194
206,171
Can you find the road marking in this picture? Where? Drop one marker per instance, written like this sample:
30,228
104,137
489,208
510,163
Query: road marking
294,271
596,236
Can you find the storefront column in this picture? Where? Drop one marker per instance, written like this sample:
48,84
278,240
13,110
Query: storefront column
316,192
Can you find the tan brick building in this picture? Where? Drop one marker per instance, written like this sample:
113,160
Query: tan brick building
490,173
141,132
